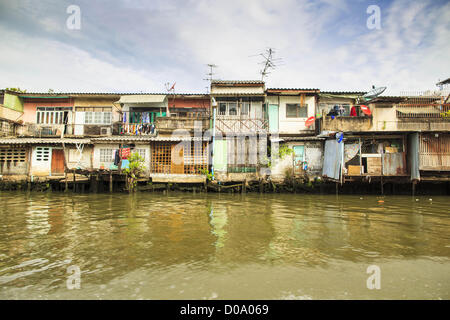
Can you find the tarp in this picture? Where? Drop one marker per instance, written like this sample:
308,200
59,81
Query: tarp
142,98
332,161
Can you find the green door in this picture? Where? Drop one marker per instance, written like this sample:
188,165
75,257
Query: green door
299,157
273,118
220,155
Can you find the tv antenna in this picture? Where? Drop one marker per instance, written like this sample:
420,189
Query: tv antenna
269,63
211,73
170,90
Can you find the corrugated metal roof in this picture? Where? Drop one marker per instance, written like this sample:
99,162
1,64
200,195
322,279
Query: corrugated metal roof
293,89
147,138
344,92
237,82
43,141
143,98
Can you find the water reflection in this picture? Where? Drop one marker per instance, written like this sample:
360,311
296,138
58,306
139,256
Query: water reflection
206,242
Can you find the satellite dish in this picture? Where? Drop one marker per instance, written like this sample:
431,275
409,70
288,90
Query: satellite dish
309,121
366,110
375,92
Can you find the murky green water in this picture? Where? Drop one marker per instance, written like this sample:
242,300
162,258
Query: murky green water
211,246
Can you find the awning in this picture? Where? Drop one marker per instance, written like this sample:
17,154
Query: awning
142,98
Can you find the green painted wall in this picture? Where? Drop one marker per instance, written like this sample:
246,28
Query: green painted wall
13,102
220,155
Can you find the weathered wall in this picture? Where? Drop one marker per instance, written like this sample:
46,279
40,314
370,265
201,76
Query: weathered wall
72,157
342,124
14,160
313,157
10,114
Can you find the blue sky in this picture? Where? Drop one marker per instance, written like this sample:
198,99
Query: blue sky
134,46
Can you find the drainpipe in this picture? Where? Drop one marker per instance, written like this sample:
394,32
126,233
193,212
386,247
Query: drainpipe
214,106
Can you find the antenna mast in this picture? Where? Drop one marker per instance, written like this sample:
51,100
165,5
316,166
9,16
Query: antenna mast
269,63
210,74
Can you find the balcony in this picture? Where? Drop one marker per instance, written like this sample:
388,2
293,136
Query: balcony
346,123
46,130
237,124
168,124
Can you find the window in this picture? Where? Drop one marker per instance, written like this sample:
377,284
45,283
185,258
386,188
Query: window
51,115
222,109
12,155
141,152
245,108
96,115
232,109
296,111
106,155
42,154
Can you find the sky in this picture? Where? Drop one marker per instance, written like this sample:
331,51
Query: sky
140,45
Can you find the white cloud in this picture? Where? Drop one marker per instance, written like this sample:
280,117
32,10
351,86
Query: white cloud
324,44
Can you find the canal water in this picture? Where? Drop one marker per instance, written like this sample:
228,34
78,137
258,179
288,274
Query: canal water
223,246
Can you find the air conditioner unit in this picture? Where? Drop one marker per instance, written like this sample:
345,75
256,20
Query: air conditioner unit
105,131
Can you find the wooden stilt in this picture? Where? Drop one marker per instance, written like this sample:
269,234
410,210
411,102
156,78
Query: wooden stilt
110,182
74,181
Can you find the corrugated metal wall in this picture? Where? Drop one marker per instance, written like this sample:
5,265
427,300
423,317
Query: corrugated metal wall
434,152
332,161
394,164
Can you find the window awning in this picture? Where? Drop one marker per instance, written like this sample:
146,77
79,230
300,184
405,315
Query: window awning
143,98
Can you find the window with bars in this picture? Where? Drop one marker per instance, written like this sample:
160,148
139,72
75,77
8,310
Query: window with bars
51,115
106,155
161,158
42,154
13,155
294,110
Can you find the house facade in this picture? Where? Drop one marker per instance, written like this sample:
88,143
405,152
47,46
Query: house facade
240,126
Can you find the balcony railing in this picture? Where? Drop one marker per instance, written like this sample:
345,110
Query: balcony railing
233,124
186,123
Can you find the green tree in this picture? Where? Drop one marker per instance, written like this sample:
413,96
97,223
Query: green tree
16,90
135,169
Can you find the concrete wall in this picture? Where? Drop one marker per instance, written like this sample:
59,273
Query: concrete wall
313,155
14,167
72,156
